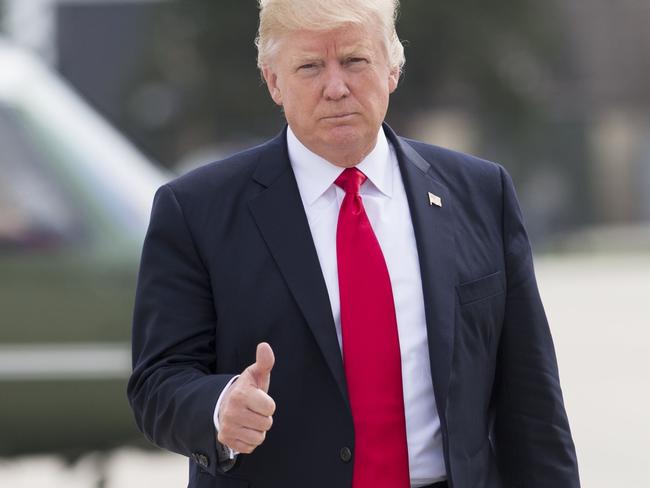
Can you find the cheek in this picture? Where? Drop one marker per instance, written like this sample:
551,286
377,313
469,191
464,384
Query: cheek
303,105
298,114
377,102
374,90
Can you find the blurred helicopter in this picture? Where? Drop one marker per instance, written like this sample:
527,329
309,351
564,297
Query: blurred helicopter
75,198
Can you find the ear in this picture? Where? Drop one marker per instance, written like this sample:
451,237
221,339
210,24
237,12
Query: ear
393,79
271,79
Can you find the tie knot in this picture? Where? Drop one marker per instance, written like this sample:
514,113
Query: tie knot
350,180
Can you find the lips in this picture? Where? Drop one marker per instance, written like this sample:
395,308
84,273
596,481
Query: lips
339,116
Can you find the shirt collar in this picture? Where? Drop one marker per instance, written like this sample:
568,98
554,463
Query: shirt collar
315,175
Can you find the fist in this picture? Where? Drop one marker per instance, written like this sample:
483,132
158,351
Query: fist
246,410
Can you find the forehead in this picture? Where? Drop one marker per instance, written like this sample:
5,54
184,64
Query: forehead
345,39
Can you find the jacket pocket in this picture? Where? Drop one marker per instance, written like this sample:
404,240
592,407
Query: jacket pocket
480,288
206,480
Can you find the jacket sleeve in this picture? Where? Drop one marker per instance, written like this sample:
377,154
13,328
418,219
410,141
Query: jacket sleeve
532,439
173,389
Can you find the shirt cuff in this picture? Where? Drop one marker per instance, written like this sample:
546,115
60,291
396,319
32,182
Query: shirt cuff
215,416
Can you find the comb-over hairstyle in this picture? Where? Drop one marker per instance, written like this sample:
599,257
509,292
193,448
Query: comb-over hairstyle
278,17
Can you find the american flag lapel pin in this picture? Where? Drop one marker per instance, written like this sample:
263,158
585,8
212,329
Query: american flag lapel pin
435,200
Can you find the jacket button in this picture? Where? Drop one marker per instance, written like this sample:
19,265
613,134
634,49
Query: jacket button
345,454
201,459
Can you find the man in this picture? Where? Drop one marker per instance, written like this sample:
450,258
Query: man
376,294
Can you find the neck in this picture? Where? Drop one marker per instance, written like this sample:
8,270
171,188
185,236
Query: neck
345,157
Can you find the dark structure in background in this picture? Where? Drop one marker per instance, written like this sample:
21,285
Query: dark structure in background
176,76
100,46
557,92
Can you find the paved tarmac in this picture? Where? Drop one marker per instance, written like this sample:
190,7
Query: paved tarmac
599,310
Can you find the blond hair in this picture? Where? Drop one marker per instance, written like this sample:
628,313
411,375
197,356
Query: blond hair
278,17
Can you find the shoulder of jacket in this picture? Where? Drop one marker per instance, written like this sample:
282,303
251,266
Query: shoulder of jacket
229,172
450,160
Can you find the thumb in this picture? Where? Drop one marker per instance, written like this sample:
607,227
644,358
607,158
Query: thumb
261,370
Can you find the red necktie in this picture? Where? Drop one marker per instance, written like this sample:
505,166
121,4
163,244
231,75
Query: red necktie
371,354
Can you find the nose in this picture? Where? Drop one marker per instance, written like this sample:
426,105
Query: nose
336,86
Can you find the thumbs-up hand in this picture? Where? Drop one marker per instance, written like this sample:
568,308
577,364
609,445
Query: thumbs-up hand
245,413
261,370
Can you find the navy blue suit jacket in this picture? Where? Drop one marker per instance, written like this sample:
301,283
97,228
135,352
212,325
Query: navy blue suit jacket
229,262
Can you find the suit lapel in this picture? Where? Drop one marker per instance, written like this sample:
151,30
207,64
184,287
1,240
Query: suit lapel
281,219
433,228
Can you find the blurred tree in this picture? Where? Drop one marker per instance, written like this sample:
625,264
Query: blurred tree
502,63
488,60
497,62
199,84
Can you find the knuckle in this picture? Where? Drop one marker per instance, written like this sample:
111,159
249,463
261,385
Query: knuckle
225,421
227,399
237,395
224,435
224,413
257,438
266,423
239,401
245,448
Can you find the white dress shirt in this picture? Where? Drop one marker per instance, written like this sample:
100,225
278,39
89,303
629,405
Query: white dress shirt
384,199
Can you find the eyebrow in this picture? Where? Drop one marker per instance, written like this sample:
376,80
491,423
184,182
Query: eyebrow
306,58
311,56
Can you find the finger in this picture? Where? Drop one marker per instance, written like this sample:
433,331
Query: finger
241,439
247,406
264,361
260,403
241,446
234,437
261,422
235,443
244,417
253,420
251,437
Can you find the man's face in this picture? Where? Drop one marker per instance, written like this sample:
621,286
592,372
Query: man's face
334,88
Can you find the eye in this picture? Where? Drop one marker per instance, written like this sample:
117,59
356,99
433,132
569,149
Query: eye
307,67
355,60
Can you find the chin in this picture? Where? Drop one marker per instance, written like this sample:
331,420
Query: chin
345,135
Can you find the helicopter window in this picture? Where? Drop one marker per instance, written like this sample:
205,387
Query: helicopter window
34,212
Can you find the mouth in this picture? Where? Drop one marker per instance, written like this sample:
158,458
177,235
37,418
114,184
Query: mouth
340,116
